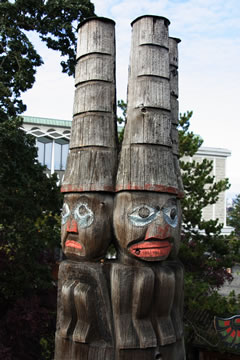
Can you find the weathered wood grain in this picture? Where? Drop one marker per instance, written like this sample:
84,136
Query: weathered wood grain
95,67
146,167
93,129
150,59
173,51
174,110
94,96
91,337
96,35
148,127
90,169
91,164
175,139
150,30
162,305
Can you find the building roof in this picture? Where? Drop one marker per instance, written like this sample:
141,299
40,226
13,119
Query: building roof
46,121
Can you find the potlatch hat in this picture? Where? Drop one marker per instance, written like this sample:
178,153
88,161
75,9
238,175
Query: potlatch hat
91,164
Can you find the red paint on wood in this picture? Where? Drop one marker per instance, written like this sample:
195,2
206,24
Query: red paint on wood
228,330
237,321
151,249
238,333
72,226
73,244
77,188
233,333
160,232
227,322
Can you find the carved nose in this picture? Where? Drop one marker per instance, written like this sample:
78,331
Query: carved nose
72,226
156,231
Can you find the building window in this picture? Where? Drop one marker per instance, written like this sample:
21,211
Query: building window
61,153
45,148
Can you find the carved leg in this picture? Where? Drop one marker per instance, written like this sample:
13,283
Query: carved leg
177,308
82,300
163,300
122,280
68,312
142,302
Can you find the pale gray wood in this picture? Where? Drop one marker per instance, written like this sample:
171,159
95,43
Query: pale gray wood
146,167
151,60
96,35
93,129
148,126
175,140
173,51
150,30
90,169
94,96
95,67
174,110
174,82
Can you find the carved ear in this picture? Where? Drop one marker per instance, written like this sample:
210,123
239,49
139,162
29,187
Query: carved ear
149,156
91,164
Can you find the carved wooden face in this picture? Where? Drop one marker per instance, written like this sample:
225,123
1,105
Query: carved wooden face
86,225
147,224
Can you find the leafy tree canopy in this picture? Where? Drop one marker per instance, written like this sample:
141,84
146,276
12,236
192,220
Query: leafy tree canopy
56,23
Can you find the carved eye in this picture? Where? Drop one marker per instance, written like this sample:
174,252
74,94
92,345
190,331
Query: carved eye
142,215
170,215
83,215
65,213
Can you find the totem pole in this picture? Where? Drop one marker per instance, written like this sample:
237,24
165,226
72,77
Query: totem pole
129,308
147,280
84,324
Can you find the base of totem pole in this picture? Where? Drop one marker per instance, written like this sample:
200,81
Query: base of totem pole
143,326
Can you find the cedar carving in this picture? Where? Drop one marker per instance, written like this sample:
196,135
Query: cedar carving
132,307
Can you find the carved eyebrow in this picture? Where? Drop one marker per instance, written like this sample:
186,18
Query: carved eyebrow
170,202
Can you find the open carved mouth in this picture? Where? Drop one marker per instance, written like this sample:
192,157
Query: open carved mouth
153,248
73,244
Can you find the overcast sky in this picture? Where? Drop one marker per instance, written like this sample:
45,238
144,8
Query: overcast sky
209,68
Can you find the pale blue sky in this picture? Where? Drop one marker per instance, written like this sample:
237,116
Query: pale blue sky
209,72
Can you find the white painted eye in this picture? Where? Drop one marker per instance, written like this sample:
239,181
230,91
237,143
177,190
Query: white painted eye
142,215
83,215
65,213
170,214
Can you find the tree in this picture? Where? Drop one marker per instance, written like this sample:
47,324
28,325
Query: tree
234,216
55,21
205,252
30,206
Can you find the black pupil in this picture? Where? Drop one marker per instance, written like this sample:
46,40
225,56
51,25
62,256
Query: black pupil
173,213
144,212
82,210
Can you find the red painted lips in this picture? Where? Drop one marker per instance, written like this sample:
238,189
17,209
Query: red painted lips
151,249
73,244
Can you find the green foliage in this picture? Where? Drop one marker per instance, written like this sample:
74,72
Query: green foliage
234,217
29,211
122,120
205,253
55,21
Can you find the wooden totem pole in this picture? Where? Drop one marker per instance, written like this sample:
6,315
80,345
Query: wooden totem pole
147,281
84,324
129,308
